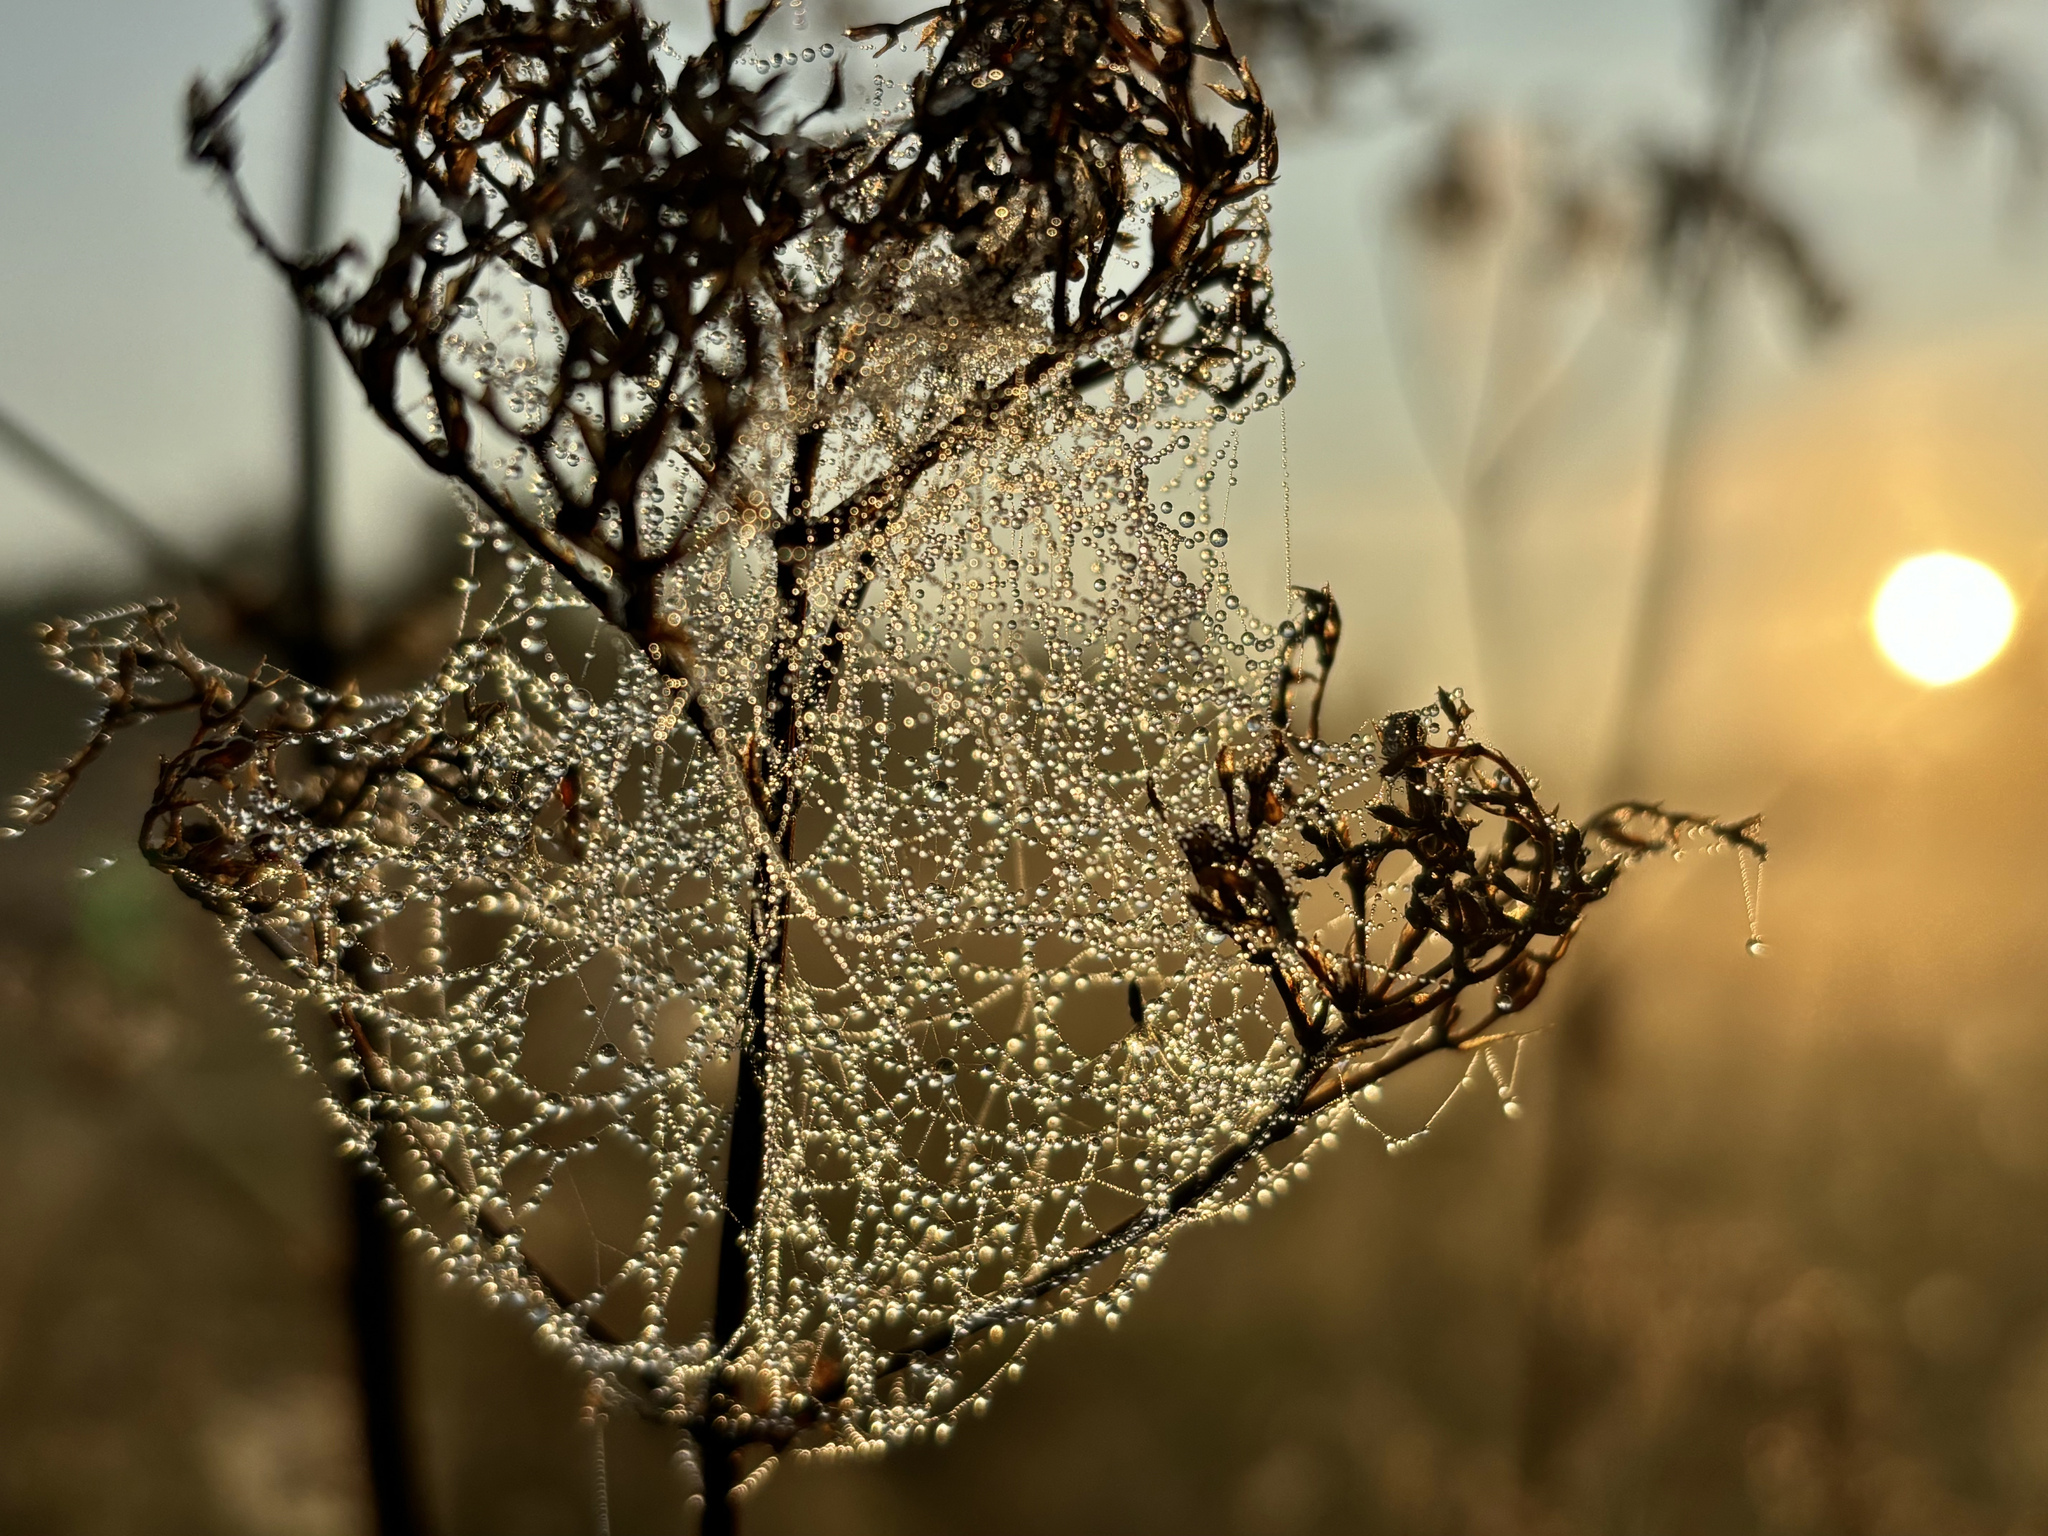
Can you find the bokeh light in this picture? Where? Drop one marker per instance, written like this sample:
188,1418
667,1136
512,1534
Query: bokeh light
1940,617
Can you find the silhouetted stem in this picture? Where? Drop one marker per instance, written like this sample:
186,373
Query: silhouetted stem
774,785
721,1517
309,594
307,623
747,1144
374,1305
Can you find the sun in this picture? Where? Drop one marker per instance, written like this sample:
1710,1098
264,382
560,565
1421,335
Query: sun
1940,617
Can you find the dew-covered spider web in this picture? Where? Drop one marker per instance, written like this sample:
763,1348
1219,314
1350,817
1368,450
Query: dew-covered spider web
996,1031
796,996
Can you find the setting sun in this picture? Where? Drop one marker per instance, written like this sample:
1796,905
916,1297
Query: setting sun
1940,617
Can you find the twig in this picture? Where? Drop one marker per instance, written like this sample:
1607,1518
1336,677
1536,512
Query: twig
121,520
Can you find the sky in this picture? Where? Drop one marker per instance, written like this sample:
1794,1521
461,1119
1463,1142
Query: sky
141,337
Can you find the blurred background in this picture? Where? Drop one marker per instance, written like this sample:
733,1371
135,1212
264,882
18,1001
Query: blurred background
1641,341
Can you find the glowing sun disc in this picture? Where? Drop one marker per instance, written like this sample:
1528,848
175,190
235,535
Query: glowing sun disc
1940,617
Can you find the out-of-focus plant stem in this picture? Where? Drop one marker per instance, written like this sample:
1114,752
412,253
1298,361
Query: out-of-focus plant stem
1564,1386
309,589
375,1263
302,625
127,525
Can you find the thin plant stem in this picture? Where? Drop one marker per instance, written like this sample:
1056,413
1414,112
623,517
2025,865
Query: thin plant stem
375,1263
113,514
375,1313
1562,1387
310,590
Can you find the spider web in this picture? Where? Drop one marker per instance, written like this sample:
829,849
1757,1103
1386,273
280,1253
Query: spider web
1070,933
531,926
996,1032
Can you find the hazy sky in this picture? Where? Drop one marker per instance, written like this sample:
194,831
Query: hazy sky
140,335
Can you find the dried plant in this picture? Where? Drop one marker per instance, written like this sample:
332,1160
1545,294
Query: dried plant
861,881
730,316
